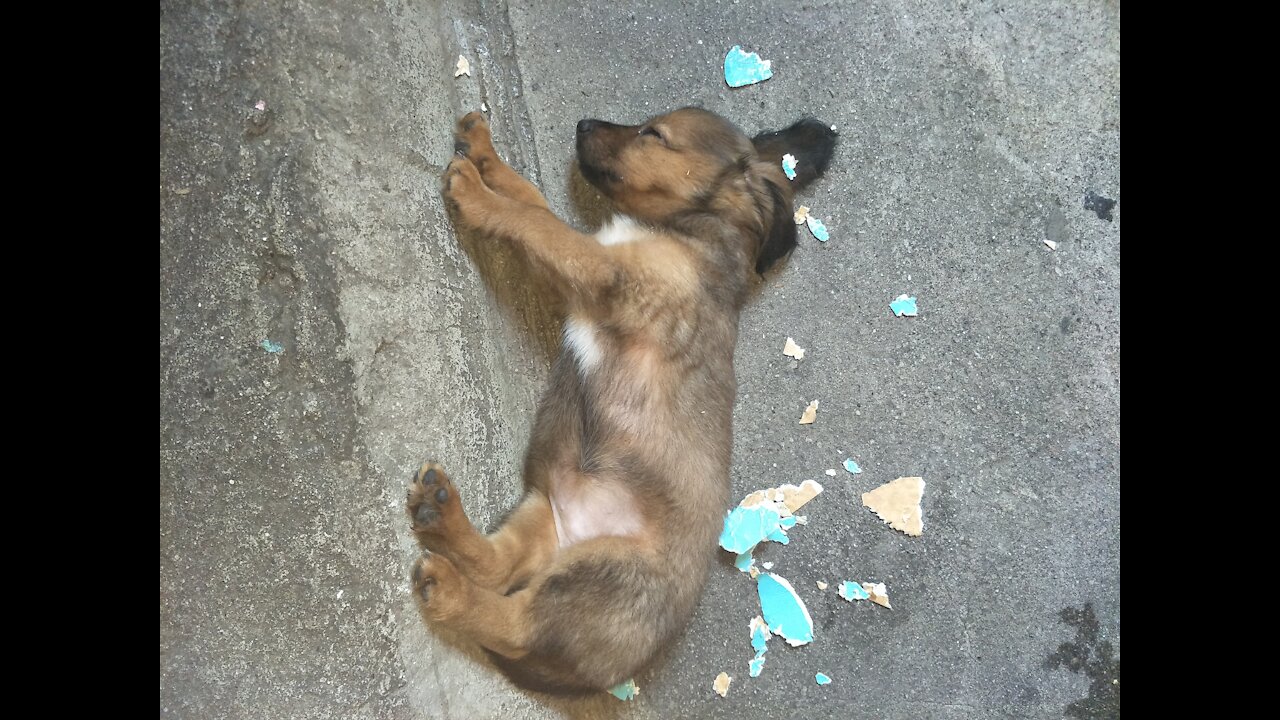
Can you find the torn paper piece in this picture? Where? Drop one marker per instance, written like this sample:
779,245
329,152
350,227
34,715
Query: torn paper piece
898,503
831,472
744,562
272,347
852,466
626,690
879,594
753,572
821,585
759,643
1052,245
746,527
789,166
792,497
904,306
851,591
744,68
818,229
802,215
721,685
810,414
791,349
484,107
802,519
767,565
260,106
755,665
783,610
463,67
821,679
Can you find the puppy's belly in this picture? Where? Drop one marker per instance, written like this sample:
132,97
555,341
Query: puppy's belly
584,508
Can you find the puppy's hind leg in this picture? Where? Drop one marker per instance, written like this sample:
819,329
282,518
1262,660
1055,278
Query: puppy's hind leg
507,558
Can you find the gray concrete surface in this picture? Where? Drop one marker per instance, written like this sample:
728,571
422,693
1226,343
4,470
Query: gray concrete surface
971,132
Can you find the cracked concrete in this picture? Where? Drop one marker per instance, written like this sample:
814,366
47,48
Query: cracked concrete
970,133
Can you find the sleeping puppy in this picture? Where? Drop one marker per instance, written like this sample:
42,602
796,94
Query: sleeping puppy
627,472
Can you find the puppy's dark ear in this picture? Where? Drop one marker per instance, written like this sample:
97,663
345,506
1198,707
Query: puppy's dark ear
811,141
780,236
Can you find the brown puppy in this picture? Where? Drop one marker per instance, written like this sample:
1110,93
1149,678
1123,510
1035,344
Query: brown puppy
627,471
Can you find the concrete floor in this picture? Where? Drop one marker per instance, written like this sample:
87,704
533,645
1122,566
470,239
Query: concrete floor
970,133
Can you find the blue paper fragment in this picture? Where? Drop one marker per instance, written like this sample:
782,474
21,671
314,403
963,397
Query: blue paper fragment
626,690
818,229
744,561
743,68
744,528
755,665
272,347
789,166
821,679
783,610
852,466
851,591
759,635
904,306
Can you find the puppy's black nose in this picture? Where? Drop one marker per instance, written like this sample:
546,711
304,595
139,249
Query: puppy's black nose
586,126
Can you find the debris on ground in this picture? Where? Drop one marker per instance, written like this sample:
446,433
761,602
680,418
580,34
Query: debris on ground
810,414
272,347
821,585
260,106
626,690
852,466
1052,245
789,166
721,685
759,643
851,591
904,306
818,229
801,216
821,679
767,565
898,503
791,349
792,497
879,594
744,68
463,67
831,472
783,610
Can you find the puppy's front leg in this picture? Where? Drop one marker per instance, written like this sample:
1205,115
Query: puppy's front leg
569,259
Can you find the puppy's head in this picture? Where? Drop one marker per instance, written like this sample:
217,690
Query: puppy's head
691,162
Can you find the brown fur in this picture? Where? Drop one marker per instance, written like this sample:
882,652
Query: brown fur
627,471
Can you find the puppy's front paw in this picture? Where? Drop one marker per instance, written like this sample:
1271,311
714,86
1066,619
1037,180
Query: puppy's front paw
464,191
439,586
472,140
432,501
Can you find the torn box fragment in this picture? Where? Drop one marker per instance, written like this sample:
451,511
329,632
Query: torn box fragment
260,106
626,690
821,679
898,503
792,497
802,215
879,594
852,466
759,643
821,585
1052,245
274,348
744,68
789,166
463,67
904,306
810,414
721,685
851,591
818,229
791,349
764,515
783,610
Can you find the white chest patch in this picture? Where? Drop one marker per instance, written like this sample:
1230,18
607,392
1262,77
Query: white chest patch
580,339
620,229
